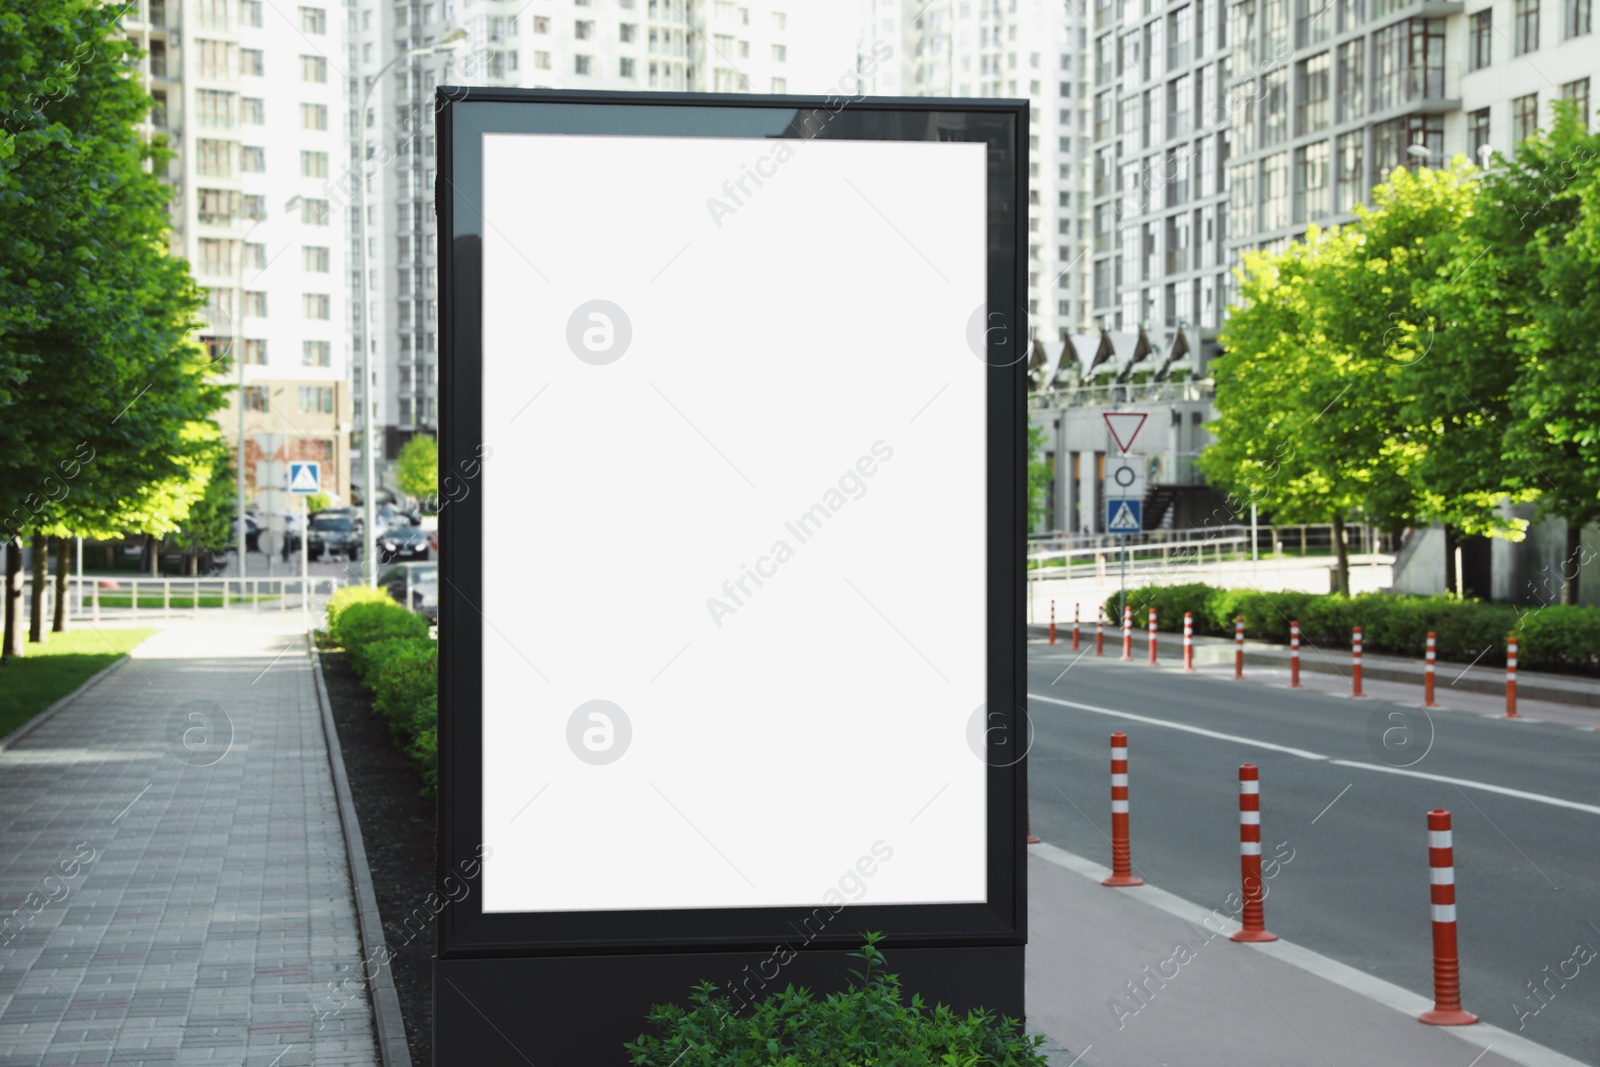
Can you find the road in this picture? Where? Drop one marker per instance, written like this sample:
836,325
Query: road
1527,866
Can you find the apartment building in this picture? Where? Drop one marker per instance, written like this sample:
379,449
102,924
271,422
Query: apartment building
251,96
1018,49
639,45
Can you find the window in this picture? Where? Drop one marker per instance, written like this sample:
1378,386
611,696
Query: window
1577,19
541,61
316,399
313,164
1275,191
583,30
1311,182
1578,93
625,67
316,354
255,304
252,62
1478,135
255,398
313,69
780,53
1275,30
255,207
1243,199
255,351
1391,141
314,212
216,59
253,111
250,13
216,207
628,32
780,85
255,256
1180,30
214,109
1524,117
1349,190
1480,39
1350,74
313,116
214,159
541,24
1313,22
252,159
581,64
780,21
1242,113
1525,27
313,20
1312,83
1275,108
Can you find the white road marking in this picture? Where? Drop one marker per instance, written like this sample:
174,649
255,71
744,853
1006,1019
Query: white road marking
1467,783
1218,735
1481,1034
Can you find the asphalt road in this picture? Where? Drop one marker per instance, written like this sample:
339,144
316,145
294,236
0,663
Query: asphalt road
1356,889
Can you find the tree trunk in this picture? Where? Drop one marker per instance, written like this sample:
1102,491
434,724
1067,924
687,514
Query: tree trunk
1570,562
155,555
41,575
1341,555
63,549
13,643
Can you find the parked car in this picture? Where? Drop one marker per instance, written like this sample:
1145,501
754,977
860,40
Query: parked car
252,534
334,535
402,542
424,585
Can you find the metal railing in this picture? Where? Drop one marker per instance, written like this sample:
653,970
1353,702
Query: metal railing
1126,393
91,598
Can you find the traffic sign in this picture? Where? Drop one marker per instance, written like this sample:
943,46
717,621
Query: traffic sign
305,477
1124,427
1126,478
1124,516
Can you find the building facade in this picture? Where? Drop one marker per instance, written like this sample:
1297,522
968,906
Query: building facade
638,45
249,96
1015,49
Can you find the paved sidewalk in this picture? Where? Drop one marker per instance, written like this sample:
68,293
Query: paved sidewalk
173,881
1216,1002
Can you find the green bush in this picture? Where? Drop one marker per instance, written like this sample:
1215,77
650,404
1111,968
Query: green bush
404,682
868,1025
348,596
362,626
1553,637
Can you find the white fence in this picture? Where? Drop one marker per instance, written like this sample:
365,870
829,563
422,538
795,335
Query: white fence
93,598
1140,557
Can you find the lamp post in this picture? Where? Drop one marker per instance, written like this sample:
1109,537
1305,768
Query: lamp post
369,537
240,540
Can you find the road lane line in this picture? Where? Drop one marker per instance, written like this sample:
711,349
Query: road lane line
1468,783
1484,1035
1300,752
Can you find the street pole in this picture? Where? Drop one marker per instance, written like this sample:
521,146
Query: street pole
369,489
305,563
1122,597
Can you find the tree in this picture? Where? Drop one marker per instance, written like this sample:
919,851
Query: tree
1039,475
417,468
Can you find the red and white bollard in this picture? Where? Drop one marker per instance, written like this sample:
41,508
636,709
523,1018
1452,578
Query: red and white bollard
1152,637
1427,671
1446,960
1075,610
1188,641
1294,655
1100,633
1121,851
1253,919
1238,647
1511,678
1355,663
1052,622
1127,631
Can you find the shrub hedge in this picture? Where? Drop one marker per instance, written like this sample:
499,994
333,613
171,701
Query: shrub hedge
391,653
350,595
1552,637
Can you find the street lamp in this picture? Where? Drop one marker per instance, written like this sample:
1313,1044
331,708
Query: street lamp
242,542
369,547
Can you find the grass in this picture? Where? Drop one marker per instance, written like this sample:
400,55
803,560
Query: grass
179,600
50,671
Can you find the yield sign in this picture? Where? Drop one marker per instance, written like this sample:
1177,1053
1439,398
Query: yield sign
1124,427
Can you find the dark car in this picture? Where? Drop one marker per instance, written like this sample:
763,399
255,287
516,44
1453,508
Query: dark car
402,542
334,535
421,580
252,534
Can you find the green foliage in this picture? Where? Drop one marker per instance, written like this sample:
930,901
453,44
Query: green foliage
417,467
1553,637
403,675
1039,476
348,596
316,502
363,627
870,1025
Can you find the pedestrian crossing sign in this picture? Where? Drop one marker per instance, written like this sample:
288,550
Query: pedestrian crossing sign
305,477
1124,516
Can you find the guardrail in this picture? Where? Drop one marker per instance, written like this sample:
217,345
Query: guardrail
1140,554
90,598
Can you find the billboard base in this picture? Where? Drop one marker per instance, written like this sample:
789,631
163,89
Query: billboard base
581,1009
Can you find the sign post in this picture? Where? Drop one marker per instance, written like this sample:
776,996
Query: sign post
305,478
556,367
1126,482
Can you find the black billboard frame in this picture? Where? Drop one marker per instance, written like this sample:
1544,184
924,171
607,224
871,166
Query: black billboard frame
996,929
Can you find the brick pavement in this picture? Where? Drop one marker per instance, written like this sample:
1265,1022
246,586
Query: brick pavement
173,879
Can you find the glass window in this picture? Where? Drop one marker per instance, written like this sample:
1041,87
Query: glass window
314,116
1388,66
1243,198
255,398
1242,114
252,61
316,354
1577,19
1349,189
1478,135
1352,75
1578,93
1311,182
214,109
1480,39
1275,191
253,159
255,350
316,399
1180,29
255,304
1313,22
1275,107
314,164
317,305
313,69
253,111
250,13
1525,26
1524,117
313,20
1275,35
1351,14
1245,40
316,258
1312,84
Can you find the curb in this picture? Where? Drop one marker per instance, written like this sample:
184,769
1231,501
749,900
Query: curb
1528,684
392,1046
39,720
